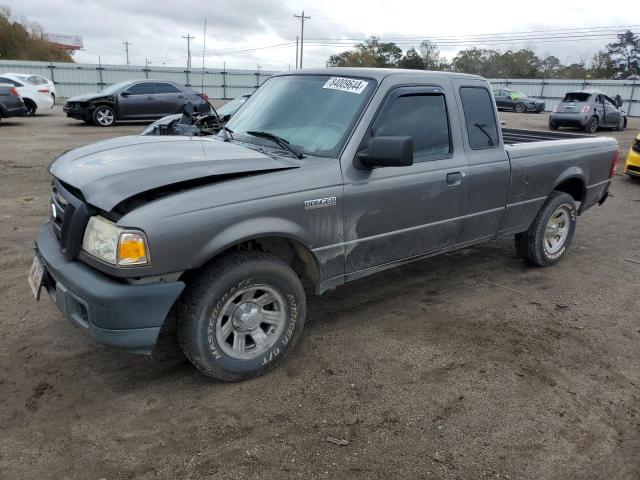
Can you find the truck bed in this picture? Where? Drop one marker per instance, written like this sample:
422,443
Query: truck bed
513,136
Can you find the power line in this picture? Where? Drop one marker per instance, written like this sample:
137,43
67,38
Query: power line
302,18
126,44
188,37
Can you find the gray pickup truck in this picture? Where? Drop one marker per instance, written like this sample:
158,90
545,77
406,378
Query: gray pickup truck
322,177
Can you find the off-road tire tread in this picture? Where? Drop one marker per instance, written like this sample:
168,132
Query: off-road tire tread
526,245
188,311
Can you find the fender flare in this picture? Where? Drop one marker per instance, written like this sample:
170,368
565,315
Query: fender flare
253,229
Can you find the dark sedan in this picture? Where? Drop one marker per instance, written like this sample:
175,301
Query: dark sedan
11,105
134,100
517,101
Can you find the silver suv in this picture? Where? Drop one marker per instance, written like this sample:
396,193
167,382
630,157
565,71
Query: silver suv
588,109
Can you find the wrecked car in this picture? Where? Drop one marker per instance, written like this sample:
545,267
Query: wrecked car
322,177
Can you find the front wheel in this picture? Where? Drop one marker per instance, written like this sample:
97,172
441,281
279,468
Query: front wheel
520,108
550,234
553,125
32,108
104,116
241,316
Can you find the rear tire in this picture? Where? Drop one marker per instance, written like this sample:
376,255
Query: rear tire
549,236
592,125
241,316
32,108
520,108
553,126
621,124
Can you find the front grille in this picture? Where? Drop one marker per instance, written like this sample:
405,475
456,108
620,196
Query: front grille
69,217
633,168
636,146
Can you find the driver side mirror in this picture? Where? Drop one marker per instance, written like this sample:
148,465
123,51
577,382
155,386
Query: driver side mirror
387,152
125,94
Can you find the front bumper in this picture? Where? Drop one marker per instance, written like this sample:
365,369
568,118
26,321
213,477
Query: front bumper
537,108
78,113
111,312
632,164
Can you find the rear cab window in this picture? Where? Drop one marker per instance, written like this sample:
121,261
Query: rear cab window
482,127
163,87
576,97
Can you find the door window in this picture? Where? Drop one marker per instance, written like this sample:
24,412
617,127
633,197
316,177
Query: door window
144,88
423,117
480,118
163,87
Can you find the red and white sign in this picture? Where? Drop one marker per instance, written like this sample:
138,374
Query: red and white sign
68,42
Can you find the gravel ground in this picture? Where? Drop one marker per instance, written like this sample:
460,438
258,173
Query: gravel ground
463,366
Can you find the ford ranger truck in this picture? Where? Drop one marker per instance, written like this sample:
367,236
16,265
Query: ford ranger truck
322,177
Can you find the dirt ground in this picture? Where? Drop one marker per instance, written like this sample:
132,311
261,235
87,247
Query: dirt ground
463,366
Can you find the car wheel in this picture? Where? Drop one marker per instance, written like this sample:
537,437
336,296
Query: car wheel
32,108
104,116
621,124
553,125
592,125
520,108
550,234
241,316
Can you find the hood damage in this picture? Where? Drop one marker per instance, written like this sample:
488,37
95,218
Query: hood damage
121,173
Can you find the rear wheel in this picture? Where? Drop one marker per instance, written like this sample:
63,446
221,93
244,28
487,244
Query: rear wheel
550,234
241,316
622,123
553,125
520,108
104,116
592,125
32,108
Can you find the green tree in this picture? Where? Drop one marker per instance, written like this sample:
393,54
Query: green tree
371,53
625,55
472,60
20,41
412,60
577,71
602,66
550,67
431,56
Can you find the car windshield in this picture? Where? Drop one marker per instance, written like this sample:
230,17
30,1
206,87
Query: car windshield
315,113
516,95
114,88
231,107
576,97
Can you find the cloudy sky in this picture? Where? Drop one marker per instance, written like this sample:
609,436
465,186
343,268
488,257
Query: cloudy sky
247,33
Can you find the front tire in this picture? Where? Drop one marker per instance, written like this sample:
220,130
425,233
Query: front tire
241,316
553,125
520,108
549,236
104,116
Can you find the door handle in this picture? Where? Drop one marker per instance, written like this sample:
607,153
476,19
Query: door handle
149,98
454,178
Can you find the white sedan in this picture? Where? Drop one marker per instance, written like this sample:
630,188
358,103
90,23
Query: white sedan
38,93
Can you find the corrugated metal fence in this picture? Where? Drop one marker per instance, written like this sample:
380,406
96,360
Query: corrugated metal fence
76,78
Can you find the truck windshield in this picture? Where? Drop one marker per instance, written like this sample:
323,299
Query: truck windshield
314,113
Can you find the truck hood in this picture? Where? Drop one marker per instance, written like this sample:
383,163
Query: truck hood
112,171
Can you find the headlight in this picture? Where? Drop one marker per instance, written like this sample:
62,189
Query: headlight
118,246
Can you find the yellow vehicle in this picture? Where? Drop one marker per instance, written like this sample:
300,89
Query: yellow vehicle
632,165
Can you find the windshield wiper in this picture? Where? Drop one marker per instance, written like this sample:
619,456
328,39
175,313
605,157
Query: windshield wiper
277,140
228,133
481,127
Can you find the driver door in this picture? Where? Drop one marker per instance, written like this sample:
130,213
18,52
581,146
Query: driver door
395,213
611,113
139,101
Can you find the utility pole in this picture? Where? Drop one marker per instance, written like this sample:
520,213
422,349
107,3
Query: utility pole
126,47
297,40
189,38
302,18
